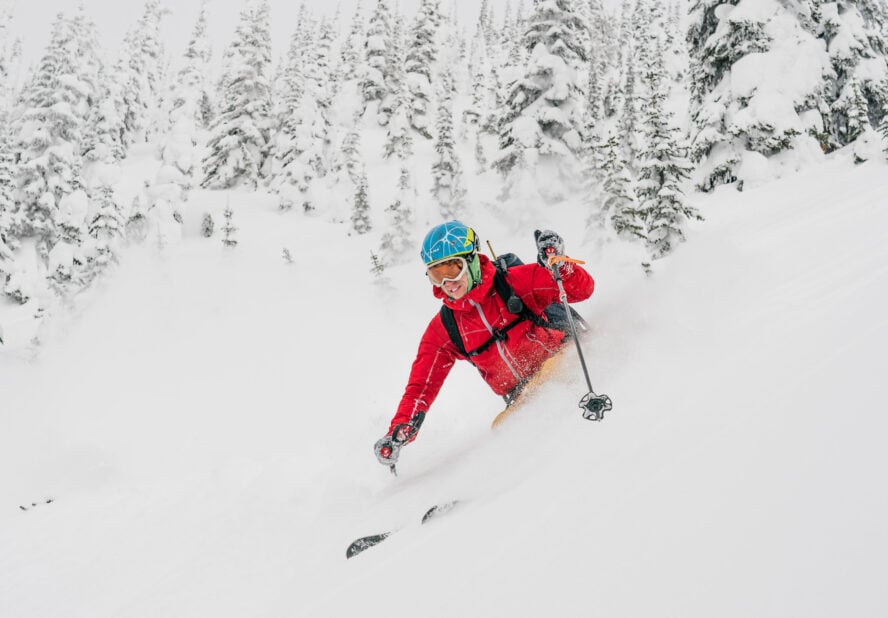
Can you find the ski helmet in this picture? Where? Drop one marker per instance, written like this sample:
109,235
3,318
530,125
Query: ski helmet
449,240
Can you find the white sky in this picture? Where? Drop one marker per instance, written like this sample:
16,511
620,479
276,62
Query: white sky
113,17
33,18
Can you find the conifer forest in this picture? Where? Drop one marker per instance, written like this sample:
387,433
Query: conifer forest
627,111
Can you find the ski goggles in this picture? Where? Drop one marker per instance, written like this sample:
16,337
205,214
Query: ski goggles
451,269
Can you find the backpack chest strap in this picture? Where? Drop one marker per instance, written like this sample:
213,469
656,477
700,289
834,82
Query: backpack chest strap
513,305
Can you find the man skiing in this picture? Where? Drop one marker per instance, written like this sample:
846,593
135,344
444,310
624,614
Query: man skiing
508,341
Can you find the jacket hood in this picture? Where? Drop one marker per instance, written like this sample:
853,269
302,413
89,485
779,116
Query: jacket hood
476,293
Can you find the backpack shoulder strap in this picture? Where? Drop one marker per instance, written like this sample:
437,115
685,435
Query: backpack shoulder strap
452,329
513,302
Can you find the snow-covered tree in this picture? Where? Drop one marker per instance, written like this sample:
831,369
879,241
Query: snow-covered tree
446,170
239,137
662,204
743,108
301,148
105,130
594,111
228,228
106,226
378,59
421,52
50,131
360,218
484,27
629,113
7,201
397,241
857,88
350,54
190,104
5,69
191,93
351,152
619,204
90,67
139,71
479,74
399,139
542,114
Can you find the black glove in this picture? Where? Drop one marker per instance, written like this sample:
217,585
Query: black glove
548,243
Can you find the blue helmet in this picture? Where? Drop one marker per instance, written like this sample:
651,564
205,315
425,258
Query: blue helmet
451,239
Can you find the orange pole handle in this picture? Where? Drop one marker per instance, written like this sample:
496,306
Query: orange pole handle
555,259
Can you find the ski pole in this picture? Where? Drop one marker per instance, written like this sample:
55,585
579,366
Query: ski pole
594,406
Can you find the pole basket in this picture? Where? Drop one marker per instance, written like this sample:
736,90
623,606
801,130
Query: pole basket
594,406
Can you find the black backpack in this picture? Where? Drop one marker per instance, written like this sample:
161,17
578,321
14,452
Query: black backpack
554,316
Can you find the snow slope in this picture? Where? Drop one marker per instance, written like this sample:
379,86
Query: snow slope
204,427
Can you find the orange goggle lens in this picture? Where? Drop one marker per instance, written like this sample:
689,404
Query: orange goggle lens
448,270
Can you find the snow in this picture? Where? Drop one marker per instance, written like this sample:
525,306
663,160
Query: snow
192,435
203,424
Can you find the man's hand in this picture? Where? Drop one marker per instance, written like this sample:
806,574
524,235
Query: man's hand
387,450
388,447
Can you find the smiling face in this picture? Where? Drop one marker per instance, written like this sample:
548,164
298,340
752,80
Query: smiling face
457,289
451,275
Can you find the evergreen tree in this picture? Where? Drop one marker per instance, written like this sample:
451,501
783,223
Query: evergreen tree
301,147
446,170
399,140
190,102
50,131
351,151
106,226
619,204
5,86
397,241
541,117
360,218
662,204
854,117
291,174
377,55
476,110
228,228
628,119
239,137
191,96
351,48
594,112
139,70
289,84
11,82
418,65
7,201
481,162
733,119
857,90
485,23
105,130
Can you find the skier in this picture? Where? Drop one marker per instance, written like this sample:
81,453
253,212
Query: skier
507,347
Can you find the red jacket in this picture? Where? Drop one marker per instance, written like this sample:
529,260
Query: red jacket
506,363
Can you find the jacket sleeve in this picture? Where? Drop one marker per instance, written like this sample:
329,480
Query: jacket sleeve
578,284
434,360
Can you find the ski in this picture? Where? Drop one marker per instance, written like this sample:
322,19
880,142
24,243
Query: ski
366,542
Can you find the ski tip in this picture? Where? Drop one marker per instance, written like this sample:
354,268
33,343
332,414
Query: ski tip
365,542
439,509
